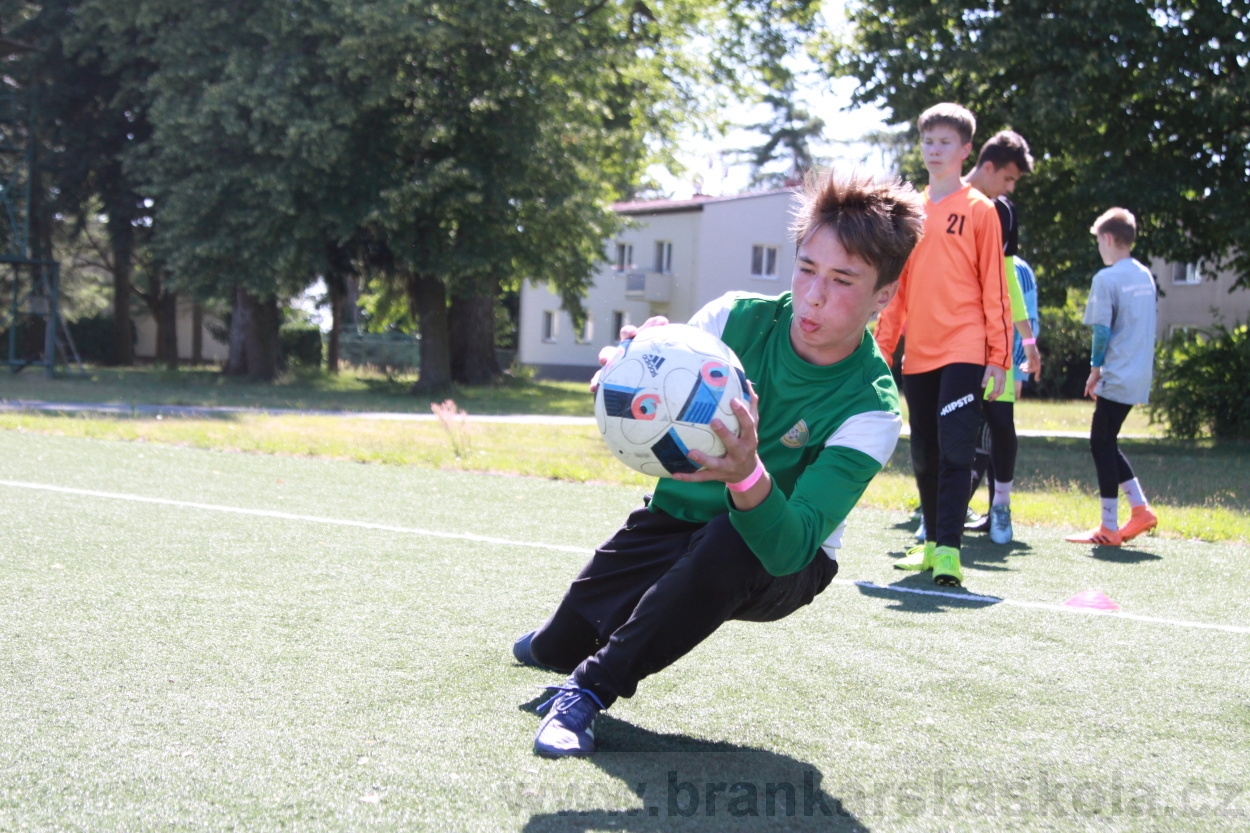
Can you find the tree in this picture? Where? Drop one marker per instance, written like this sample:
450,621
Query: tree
518,126
788,135
247,166
91,112
1139,104
453,150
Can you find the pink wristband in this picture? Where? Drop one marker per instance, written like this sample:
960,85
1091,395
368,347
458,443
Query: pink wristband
752,479
1028,341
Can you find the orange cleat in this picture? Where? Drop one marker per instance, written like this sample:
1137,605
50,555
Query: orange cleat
1101,536
1142,521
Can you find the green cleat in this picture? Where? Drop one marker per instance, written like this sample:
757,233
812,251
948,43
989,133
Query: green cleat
946,570
919,557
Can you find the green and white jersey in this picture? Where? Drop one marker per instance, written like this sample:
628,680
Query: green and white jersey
824,433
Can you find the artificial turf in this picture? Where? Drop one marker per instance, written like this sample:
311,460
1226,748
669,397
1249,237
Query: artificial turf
173,666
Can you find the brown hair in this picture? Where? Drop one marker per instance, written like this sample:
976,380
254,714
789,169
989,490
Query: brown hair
1119,223
877,220
951,115
1004,147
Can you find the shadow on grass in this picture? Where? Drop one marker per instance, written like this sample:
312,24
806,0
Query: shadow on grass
916,593
979,551
685,783
1124,555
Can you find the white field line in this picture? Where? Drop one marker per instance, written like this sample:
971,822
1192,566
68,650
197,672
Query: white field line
487,539
290,516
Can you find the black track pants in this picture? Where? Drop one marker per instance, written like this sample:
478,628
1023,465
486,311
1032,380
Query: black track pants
944,411
657,589
1104,432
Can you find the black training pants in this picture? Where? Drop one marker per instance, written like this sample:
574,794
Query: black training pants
1104,432
654,591
1000,421
944,412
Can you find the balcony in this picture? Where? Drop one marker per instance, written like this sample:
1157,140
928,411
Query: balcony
655,287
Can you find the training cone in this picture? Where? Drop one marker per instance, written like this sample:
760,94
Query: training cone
1093,600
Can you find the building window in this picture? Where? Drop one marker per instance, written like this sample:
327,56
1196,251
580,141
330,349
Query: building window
764,262
624,257
663,257
587,333
620,318
549,326
1186,274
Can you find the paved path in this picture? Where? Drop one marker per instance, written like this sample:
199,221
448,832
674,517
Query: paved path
124,409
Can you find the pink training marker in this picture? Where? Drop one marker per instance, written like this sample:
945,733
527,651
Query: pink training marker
1093,600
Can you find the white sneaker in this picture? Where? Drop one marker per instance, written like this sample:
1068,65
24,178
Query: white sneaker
1000,524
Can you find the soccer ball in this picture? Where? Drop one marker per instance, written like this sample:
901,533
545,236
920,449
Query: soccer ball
658,394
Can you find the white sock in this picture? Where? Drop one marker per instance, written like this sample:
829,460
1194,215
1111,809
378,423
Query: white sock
1110,510
1002,493
1132,488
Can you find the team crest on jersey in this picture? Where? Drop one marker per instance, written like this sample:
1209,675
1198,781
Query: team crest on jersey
652,362
797,436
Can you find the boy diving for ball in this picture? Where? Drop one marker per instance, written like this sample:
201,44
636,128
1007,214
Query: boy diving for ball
754,534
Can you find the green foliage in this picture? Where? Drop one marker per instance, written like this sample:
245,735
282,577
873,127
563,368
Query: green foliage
475,144
1064,343
384,307
1200,384
1138,103
301,345
789,134
93,336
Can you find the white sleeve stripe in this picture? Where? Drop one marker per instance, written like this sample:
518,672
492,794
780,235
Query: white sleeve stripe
834,542
714,315
875,433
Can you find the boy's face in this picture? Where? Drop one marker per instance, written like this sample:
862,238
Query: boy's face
834,297
998,181
944,152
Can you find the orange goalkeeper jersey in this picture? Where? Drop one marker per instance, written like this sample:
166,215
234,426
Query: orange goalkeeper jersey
952,296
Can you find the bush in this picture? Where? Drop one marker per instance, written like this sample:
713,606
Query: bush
1200,384
301,345
1064,343
93,336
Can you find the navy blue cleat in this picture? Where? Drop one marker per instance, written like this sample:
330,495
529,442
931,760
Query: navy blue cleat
568,730
521,652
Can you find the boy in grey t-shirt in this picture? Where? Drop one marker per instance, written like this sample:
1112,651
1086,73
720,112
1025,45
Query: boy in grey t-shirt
1121,309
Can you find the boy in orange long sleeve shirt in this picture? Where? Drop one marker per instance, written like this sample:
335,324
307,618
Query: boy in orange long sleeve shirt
953,301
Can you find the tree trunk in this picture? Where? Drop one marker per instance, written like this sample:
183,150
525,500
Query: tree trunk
167,329
264,350
338,299
163,307
122,241
240,323
472,336
197,334
427,298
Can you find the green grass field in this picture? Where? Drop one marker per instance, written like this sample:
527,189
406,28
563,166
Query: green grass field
1197,486
194,639
357,390
363,390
